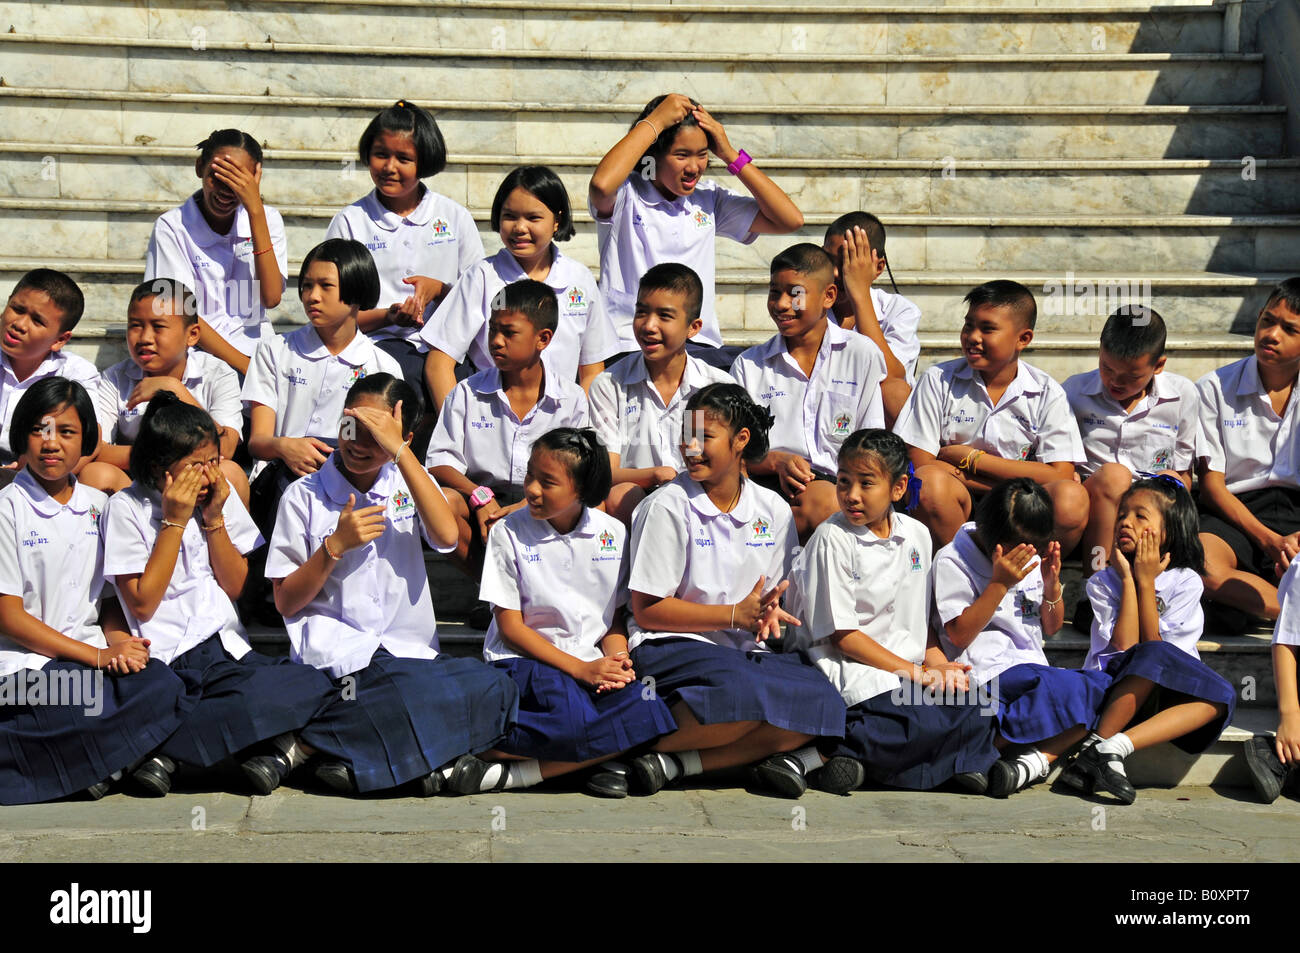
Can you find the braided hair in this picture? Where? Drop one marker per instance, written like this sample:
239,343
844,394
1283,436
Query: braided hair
586,457
732,404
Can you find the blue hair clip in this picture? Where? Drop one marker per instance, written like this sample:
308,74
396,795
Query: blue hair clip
913,489
1177,484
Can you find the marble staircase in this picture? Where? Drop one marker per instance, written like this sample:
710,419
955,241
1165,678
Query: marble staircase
1108,149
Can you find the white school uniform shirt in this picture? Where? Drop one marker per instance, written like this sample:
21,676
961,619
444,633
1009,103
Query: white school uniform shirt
378,595
58,363
900,321
194,607
1013,636
568,586
847,577
646,229
1240,434
479,434
212,382
1032,421
438,240
683,546
1178,604
1287,629
1158,434
631,419
219,269
815,413
52,557
306,385
584,334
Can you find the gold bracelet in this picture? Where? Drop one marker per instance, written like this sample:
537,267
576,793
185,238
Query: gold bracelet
733,616
179,526
974,464
325,545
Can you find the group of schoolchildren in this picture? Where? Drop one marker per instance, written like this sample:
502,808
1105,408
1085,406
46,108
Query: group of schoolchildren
808,560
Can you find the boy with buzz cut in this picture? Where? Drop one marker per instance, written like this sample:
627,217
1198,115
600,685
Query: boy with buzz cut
819,382
37,322
636,406
989,416
856,243
485,433
1249,462
162,336
1134,420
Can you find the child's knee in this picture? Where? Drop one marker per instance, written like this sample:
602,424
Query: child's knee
894,394
1108,484
940,491
104,477
622,500
237,479
1069,504
816,504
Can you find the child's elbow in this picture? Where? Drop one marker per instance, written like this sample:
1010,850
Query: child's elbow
956,634
795,221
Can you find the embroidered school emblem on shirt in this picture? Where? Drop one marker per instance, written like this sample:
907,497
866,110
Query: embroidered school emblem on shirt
1024,605
762,530
1025,451
1161,459
576,300
401,501
702,219
440,227
915,558
606,542
1160,606
842,423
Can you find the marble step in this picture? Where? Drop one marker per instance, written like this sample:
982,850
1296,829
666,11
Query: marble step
54,61
83,228
903,186
566,27
575,127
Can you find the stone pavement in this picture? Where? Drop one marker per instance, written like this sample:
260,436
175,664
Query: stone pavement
1187,824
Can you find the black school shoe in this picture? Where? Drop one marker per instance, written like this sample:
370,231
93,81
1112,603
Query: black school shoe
153,778
1267,773
976,782
1097,766
265,772
608,780
839,775
337,776
781,774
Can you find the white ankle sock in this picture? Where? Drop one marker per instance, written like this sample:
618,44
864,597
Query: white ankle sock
808,758
690,762
287,745
1092,739
523,774
1119,744
1030,766
679,764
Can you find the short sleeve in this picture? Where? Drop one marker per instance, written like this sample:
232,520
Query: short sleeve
826,583
1209,445
223,395
744,373
621,198
734,215
1183,620
873,405
1188,425
1102,594
600,338
239,525
469,244
167,256
339,226
261,385
1059,440
580,417
126,549
424,530
108,407
11,576
291,544
461,317
919,423
447,445
1287,629
275,225
605,409
954,590
500,581
899,320
660,540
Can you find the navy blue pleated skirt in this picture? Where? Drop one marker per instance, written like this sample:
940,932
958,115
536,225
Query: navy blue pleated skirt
1176,673
721,685
398,719
241,701
917,746
560,720
1037,702
49,751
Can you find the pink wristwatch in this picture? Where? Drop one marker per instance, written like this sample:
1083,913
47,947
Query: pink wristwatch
481,496
738,163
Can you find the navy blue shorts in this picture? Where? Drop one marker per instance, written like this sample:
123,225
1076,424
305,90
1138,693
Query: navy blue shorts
1178,678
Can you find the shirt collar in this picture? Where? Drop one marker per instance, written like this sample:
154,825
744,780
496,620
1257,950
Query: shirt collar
507,268
488,382
1248,382
391,221
1024,382
193,374
867,537
1161,389
543,530
699,500
337,488
45,504
307,342
971,555
202,233
47,368
652,196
